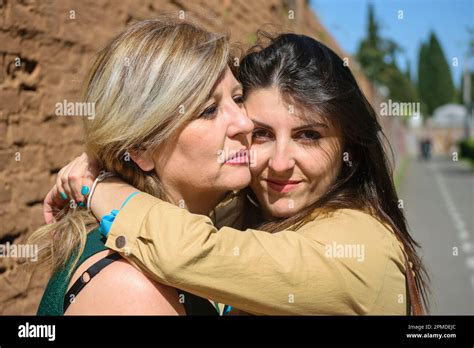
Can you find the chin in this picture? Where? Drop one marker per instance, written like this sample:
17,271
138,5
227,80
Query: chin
237,181
280,210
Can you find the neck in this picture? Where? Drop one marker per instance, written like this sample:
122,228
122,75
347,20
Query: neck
195,202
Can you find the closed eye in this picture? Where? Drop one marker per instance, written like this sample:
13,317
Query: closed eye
209,112
239,99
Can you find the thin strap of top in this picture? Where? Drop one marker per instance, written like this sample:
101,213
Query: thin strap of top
86,277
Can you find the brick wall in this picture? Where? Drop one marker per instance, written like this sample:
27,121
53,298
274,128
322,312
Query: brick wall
45,48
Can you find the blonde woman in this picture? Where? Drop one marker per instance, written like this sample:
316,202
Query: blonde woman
159,88
321,184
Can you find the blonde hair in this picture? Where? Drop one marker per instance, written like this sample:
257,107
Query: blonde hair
146,84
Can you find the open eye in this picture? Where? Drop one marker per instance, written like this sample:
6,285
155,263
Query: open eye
261,134
309,135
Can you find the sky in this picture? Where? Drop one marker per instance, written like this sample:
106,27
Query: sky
346,21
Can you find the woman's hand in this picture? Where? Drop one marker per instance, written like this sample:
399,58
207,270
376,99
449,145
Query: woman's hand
74,182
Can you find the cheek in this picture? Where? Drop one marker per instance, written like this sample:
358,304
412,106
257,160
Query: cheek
190,158
199,145
323,168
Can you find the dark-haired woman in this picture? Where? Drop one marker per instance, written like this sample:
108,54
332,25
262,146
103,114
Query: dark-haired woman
322,186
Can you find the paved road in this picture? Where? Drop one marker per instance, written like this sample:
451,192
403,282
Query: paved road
438,198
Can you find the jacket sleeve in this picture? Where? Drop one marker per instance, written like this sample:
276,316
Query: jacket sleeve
282,273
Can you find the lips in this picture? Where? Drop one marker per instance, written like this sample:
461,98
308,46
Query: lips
282,185
241,157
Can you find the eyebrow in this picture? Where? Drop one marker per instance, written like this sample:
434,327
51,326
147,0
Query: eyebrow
306,126
237,86
216,96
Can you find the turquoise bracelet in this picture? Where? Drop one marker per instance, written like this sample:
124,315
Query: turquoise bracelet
107,221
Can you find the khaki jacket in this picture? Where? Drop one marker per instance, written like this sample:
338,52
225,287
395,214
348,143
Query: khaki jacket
343,264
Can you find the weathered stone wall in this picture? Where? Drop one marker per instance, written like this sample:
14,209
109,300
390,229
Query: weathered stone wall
45,48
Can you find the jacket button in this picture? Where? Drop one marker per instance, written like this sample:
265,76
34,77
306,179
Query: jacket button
120,242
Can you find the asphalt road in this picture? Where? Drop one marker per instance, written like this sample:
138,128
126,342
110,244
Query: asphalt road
438,199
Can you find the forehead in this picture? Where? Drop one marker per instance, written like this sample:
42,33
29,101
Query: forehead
226,80
270,106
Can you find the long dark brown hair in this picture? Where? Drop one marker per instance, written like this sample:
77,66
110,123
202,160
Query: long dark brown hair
314,77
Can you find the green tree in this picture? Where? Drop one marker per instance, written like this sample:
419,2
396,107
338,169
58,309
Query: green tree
435,83
377,56
423,76
369,55
408,69
400,86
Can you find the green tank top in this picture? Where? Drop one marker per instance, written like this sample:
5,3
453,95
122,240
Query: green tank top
52,302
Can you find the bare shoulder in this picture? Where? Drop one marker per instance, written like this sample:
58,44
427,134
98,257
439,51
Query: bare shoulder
121,289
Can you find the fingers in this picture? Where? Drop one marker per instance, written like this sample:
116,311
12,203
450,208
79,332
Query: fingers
48,208
59,185
73,184
87,183
81,177
70,178
52,204
75,179
62,183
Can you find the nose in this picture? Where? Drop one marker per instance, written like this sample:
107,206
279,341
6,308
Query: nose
240,123
281,159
